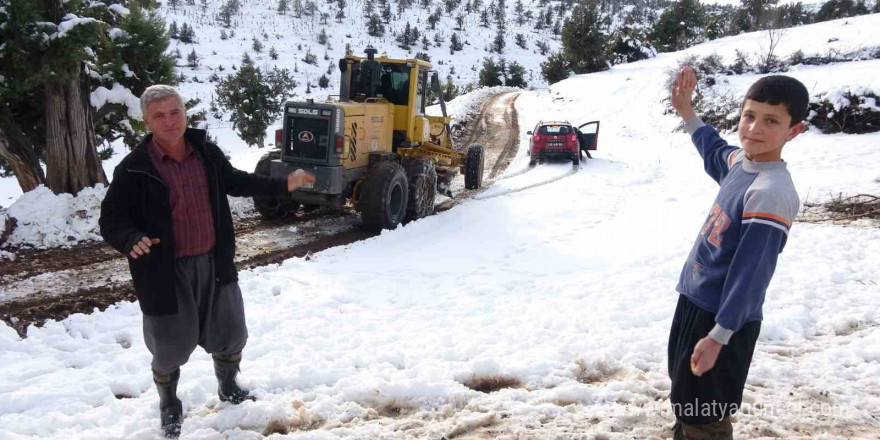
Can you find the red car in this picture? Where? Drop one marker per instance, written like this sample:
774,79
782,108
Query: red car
561,140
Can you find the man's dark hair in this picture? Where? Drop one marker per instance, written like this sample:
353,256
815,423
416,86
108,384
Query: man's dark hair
781,89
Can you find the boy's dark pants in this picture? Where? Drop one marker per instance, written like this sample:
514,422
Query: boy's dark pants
702,405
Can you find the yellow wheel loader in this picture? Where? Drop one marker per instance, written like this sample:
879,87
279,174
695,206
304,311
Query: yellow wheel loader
374,145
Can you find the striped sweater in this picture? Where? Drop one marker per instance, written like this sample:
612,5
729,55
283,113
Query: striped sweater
734,256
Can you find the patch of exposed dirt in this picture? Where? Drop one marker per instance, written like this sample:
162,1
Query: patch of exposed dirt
490,384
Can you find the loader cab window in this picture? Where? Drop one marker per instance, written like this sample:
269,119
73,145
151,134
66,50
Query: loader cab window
359,86
394,83
420,92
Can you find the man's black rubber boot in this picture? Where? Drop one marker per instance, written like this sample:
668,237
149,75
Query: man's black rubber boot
170,407
226,367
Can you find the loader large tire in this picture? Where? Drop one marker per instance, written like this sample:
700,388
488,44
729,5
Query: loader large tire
473,167
272,207
422,178
383,196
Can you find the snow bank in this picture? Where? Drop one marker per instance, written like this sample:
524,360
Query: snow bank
46,220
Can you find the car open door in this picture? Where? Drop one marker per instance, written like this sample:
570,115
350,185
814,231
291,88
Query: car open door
588,135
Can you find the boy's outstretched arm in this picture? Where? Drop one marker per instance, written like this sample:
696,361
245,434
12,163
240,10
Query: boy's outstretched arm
713,149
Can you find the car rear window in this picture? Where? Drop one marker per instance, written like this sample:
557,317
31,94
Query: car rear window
555,129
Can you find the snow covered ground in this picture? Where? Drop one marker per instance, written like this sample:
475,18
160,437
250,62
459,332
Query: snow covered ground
561,294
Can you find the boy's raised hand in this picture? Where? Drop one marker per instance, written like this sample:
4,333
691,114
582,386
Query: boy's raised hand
683,91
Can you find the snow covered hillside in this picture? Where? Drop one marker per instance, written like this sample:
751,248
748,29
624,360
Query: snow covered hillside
557,298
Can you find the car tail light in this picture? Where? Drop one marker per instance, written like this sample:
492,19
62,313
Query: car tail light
574,138
278,137
339,144
536,138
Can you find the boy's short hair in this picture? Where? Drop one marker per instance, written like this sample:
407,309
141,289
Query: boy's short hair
781,89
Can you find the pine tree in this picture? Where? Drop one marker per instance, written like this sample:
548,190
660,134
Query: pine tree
273,53
484,18
498,43
583,43
340,14
758,11
282,7
254,100
375,27
450,90
45,105
187,34
223,35
257,45
310,58
229,10
455,43
322,36
323,82
174,4
192,60
404,37
501,13
490,74
172,30
310,8
386,13
425,43
679,27
555,69
516,76
520,40
543,47
433,19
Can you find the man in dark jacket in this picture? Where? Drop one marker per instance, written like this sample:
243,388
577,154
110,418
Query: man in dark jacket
166,210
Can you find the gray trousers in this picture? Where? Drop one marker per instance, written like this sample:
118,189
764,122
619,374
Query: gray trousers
207,315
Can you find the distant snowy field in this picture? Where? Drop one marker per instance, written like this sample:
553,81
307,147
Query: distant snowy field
564,292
